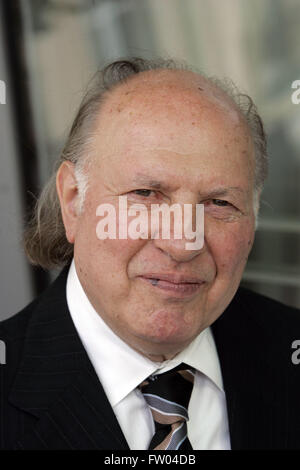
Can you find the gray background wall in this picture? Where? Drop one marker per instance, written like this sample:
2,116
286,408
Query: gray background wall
15,281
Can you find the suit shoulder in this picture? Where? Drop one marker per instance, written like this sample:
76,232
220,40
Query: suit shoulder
13,332
14,327
13,335
265,309
255,299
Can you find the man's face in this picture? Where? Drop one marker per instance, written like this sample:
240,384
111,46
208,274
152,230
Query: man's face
168,138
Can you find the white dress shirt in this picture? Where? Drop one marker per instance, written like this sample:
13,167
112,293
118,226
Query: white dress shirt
121,369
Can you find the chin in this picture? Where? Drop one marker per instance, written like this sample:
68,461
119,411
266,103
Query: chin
165,342
159,352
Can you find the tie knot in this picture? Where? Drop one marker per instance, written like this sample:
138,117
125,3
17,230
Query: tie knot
174,386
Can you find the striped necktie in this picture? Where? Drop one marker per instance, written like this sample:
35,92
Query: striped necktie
168,396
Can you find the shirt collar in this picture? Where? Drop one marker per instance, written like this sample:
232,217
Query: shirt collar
119,367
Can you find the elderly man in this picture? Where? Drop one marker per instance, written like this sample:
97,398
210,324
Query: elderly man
142,343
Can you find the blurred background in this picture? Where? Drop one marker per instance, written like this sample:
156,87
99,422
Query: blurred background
49,49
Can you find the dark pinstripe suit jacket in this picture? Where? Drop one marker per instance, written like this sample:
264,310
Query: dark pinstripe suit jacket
51,397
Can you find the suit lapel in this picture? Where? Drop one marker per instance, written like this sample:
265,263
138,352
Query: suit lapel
57,384
254,376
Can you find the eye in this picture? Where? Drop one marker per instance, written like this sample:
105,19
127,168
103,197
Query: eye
222,210
143,192
221,202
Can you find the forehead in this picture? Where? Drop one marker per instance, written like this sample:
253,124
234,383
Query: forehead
167,90
170,111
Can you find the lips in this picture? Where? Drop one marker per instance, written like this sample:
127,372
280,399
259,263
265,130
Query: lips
181,285
173,278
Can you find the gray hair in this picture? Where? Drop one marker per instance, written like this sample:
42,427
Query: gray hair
45,241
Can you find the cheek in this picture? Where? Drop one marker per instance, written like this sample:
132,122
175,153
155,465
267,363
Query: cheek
92,229
114,257
230,248
103,268
106,261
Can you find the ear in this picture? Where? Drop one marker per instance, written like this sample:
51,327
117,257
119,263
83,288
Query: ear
66,186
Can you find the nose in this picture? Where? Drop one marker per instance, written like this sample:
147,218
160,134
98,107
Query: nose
175,249
185,239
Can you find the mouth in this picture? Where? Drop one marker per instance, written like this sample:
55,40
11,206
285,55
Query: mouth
178,286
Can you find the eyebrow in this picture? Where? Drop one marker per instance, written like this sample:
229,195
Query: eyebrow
149,182
225,191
